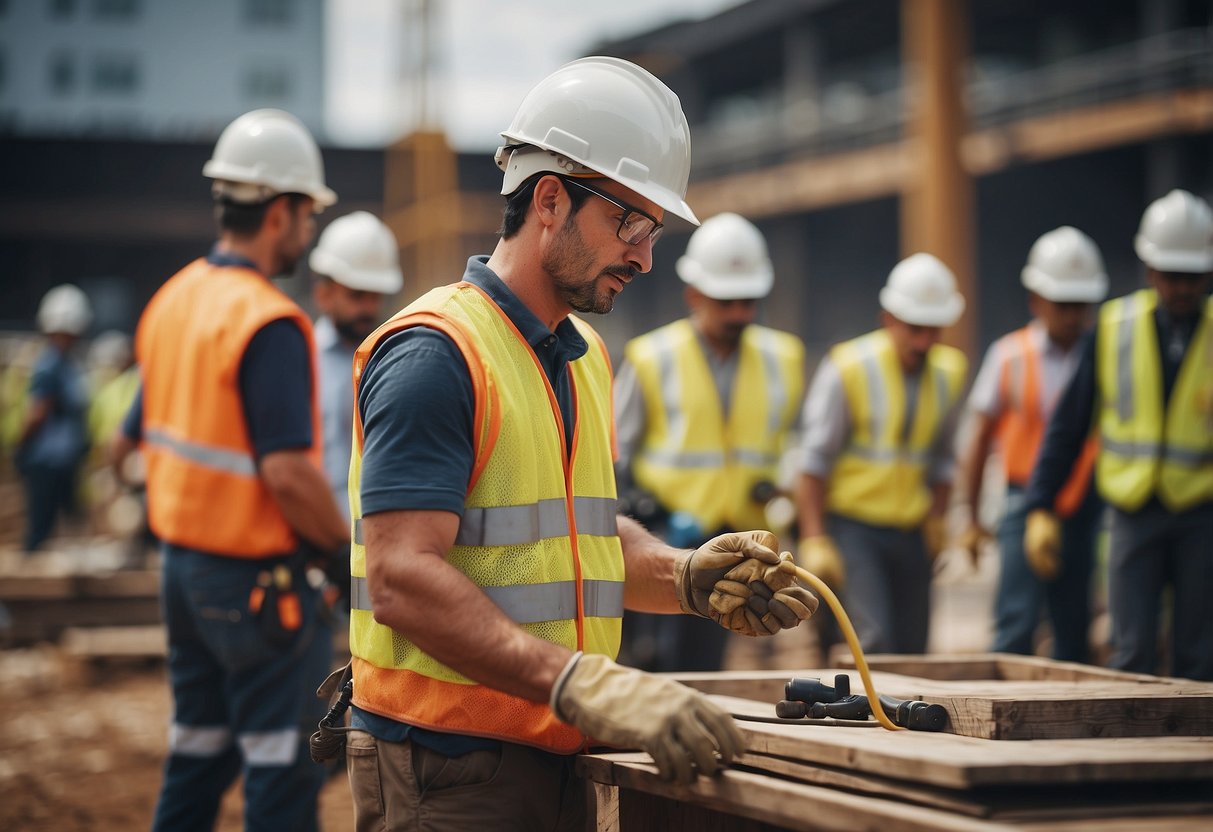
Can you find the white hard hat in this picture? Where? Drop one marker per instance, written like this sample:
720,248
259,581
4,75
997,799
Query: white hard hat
264,153
359,252
922,291
605,116
727,259
1065,266
1176,234
64,309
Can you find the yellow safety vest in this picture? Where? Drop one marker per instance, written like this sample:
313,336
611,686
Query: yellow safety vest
881,475
1146,449
538,535
694,458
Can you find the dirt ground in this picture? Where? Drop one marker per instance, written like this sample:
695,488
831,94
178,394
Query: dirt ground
83,752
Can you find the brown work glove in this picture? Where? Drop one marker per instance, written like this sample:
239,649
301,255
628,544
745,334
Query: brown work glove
972,539
1042,543
621,706
820,556
934,535
696,572
755,598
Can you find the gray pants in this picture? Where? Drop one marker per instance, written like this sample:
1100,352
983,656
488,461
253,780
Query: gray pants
1151,549
888,587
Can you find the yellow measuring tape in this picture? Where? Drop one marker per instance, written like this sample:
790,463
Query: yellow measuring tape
844,622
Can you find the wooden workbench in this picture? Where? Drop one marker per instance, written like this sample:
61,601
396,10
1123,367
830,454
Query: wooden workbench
1033,745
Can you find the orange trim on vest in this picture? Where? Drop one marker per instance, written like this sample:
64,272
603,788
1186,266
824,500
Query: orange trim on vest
476,710
1021,429
204,491
484,395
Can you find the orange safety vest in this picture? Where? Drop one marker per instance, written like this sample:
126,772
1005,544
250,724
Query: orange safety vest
538,534
204,491
1021,428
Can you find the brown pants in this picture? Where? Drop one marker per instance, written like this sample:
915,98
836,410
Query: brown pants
405,787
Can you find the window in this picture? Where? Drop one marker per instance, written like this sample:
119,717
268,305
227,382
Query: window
115,74
61,74
115,9
269,12
267,83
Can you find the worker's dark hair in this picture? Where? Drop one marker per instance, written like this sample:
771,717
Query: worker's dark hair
244,219
517,203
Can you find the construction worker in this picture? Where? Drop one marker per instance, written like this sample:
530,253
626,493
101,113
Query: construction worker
703,407
356,263
53,439
877,464
1015,392
230,432
490,568
1145,377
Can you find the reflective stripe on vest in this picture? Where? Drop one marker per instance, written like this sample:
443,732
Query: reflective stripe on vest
532,603
1149,448
697,456
537,534
204,491
881,475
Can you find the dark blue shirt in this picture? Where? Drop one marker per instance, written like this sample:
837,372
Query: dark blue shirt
275,384
416,402
1071,422
61,440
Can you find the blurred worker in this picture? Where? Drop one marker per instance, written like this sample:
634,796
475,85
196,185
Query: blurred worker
703,407
877,461
356,263
489,561
230,431
114,381
1015,392
53,439
1145,376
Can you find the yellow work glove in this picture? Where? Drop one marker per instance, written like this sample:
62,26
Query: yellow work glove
820,556
1042,543
934,534
621,706
755,598
696,572
972,539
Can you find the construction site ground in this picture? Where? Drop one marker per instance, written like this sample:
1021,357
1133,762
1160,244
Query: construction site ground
82,741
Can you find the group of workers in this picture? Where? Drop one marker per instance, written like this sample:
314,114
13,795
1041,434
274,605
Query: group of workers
477,448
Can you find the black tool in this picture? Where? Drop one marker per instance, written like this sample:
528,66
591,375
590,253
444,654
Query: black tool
813,699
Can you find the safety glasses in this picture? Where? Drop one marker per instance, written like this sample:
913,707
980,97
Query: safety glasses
635,226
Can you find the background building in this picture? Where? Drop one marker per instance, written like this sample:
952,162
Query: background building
157,69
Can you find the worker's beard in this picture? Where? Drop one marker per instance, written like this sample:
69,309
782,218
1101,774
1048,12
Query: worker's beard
355,330
569,260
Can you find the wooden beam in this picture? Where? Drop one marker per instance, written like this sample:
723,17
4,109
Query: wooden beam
937,200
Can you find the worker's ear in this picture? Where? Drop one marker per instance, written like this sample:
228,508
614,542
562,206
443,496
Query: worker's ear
550,202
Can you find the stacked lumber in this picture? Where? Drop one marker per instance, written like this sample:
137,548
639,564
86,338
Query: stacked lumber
1085,751
42,607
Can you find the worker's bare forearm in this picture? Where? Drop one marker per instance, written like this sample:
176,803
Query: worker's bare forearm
299,488
811,505
941,493
974,459
415,591
650,569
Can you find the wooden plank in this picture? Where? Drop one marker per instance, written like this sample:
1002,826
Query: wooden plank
1014,710
35,587
1002,803
789,805
134,583
959,762
115,642
994,666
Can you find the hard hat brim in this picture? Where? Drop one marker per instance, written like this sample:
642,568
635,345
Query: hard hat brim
381,281
754,286
1052,289
1193,262
944,314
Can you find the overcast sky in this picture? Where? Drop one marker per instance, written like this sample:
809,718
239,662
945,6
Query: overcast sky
488,54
